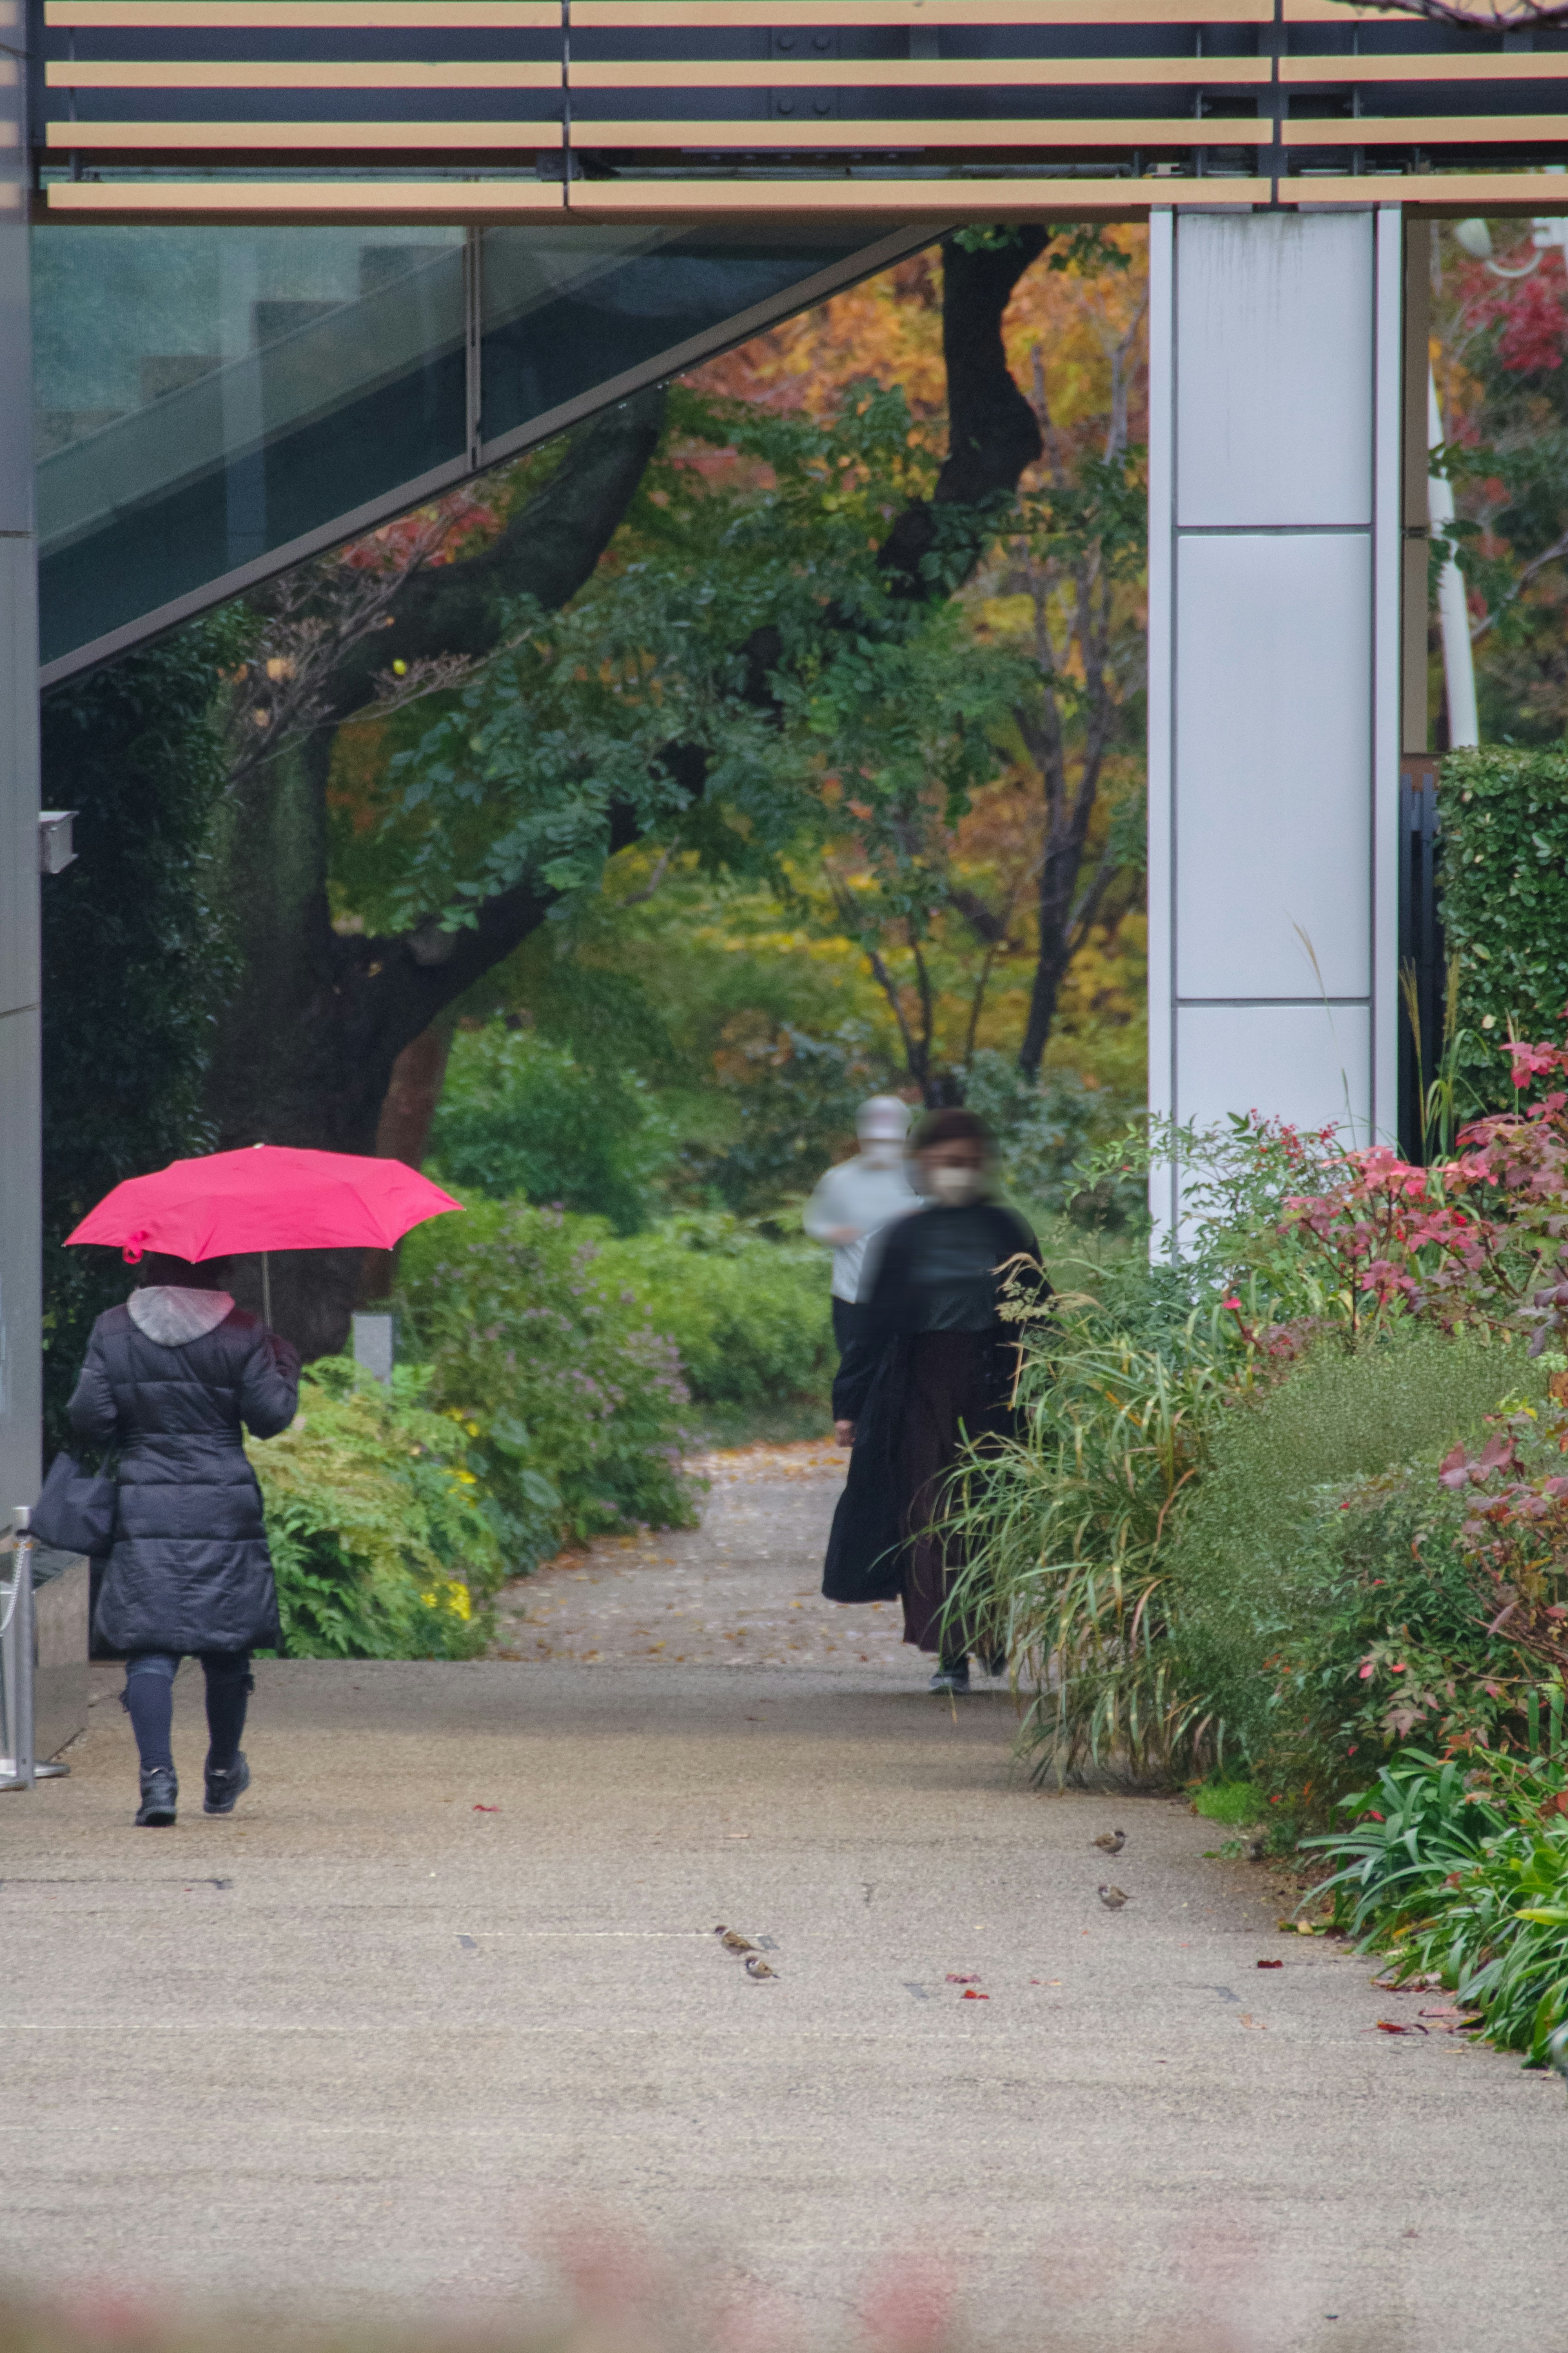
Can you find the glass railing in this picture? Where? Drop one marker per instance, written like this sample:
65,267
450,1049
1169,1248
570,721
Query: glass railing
211,402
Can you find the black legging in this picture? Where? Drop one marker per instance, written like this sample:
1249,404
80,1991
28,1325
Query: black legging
148,1700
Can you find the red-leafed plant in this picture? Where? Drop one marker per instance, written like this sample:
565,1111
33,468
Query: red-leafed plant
1515,1535
1481,1240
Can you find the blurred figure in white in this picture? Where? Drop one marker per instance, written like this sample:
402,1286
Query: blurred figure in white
856,1200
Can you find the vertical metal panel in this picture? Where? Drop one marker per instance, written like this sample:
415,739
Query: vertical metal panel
21,1307
1161,493
18,761
1272,681
1272,370
1389,438
1305,1063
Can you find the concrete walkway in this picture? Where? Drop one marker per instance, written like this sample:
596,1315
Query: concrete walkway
446,1988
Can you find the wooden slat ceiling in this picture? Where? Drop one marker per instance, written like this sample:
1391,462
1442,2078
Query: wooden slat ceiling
960,108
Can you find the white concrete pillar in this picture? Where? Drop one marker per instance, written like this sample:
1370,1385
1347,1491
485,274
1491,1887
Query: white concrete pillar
19,1091
1275,555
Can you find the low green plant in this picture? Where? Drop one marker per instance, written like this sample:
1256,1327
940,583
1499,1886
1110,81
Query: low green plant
570,1400
379,1546
1231,1802
1464,1876
1066,1528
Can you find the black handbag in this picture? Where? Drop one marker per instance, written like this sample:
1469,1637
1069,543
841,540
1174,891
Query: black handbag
76,1511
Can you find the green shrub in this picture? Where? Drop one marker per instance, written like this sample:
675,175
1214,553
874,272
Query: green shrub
1465,1876
750,1317
523,1119
1270,1562
379,1546
1504,885
571,1400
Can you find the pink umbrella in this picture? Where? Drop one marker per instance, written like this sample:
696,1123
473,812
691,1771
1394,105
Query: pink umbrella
271,1197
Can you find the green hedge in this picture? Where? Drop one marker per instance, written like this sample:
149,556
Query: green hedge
1504,883
752,1318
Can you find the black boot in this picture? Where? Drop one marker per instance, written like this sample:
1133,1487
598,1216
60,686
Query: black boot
226,1784
160,1795
951,1675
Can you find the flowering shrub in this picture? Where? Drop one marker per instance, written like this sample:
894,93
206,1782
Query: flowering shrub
378,1543
1481,1240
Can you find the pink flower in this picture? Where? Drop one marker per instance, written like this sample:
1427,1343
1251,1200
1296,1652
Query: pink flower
1232,1302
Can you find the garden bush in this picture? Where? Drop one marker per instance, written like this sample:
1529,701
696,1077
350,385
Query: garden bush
1503,878
572,1402
1272,1559
750,1316
379,1546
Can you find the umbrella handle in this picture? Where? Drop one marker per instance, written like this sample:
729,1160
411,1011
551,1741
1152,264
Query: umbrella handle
267,1289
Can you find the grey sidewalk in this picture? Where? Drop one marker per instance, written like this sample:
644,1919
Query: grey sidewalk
368,2049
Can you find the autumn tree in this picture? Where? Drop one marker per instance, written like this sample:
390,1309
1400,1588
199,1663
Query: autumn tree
307,1047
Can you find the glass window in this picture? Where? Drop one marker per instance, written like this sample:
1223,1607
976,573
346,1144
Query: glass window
204,395
568,310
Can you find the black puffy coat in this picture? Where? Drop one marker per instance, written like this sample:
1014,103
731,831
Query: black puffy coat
189,1570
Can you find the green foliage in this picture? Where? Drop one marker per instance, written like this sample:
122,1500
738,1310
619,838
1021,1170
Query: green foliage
1504,883
750,1316
792,1098
572,1402
1234,1802
134,955
1465,1876
607,705
521,1117
1045,1128
1270,1560
380,1548
1065,1532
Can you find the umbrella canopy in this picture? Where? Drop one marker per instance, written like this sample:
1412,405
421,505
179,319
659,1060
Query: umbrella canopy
271,1197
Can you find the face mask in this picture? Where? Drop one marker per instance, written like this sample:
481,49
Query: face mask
956,1187
881,1152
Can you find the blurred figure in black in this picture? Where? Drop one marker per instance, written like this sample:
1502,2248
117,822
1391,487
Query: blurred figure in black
933,1368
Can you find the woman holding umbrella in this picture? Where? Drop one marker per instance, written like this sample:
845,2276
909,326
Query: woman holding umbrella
169,1379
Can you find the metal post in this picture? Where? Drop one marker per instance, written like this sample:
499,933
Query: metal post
19,1665
16,1645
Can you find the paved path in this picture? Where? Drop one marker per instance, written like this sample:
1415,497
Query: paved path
446,1988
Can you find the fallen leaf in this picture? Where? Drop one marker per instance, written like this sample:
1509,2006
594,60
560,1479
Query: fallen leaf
1398,2026
973,1995
1257,2023
486,1809
955,1977
1270,1964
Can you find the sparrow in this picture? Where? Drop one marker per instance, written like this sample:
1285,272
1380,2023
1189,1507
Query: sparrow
757,1967
1112,1842
1257,1848
1112,1898
732,1942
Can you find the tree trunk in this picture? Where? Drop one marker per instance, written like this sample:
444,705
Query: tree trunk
402,1133
306,1047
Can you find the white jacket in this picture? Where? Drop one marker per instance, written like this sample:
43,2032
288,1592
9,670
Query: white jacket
864,1197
